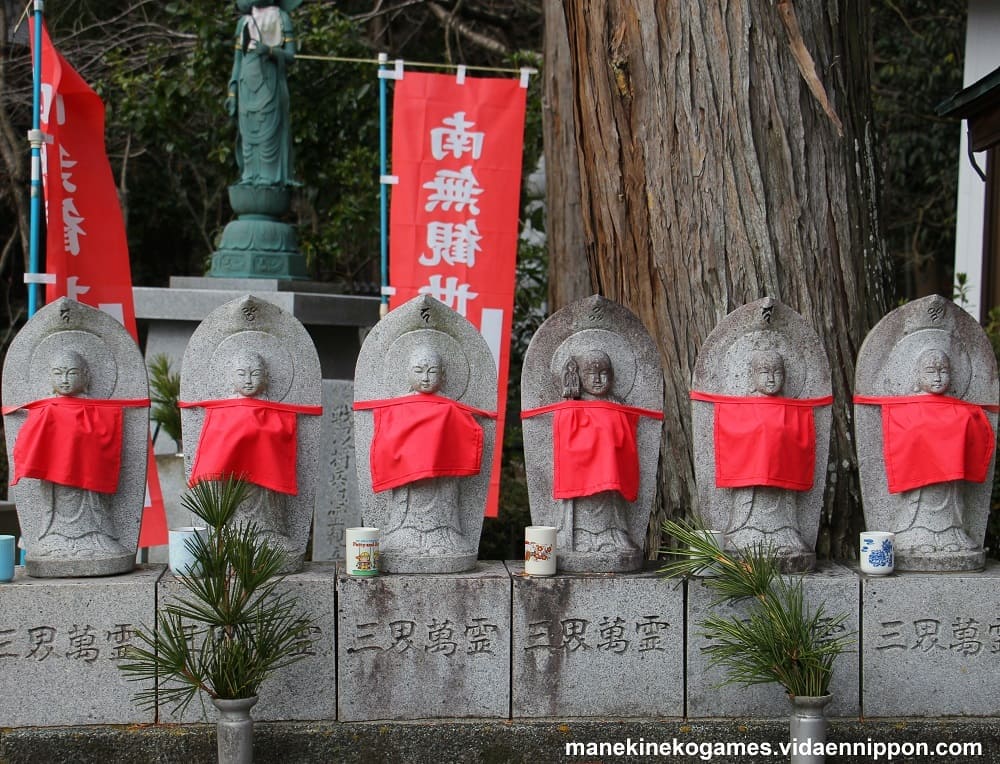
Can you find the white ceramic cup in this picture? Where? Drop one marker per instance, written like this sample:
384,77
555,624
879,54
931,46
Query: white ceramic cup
719,537
540,550
877,553
361,553
179,556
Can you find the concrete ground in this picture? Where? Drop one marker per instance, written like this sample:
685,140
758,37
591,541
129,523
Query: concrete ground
489,742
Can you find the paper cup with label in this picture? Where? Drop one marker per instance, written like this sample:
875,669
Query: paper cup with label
7,553
179,555
540,550
877,553
719,538
361,555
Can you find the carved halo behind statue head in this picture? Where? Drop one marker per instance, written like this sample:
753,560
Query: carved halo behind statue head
906,355
101,366
279,362
615,346
737,362
397,359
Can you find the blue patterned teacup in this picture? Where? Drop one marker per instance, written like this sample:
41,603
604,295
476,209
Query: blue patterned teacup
877,557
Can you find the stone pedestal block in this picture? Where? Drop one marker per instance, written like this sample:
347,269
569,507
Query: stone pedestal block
597,645
424,646
833,586
60,644
304,691
337,503
932,644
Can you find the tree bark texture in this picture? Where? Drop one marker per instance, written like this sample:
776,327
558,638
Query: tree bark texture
711,176
569,274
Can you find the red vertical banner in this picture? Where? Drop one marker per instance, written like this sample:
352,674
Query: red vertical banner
86,250
456,152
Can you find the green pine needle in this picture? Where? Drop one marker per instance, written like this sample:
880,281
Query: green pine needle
780,640
231,628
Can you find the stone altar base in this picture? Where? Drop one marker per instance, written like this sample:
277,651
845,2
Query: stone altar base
931,644
300,692
597,645
424,646
833,585
60,643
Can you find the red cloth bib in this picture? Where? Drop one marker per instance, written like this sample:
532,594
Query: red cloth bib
249,438
765,440
423,436
930,439
72,441
594,447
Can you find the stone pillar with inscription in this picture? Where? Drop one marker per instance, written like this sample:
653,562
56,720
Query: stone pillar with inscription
338,505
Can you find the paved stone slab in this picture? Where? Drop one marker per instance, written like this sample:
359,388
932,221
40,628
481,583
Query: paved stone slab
932,644
306,690
424,646
832,585
60,643
337,503
597,645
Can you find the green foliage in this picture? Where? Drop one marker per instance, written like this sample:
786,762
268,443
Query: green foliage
165,391
917,55
781,640
244,628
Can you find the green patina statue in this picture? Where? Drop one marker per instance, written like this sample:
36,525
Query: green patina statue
259,244
258,91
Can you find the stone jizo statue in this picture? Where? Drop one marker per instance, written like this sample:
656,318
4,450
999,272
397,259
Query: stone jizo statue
76,417
251,387
425,398
591,400
80,524
760,410
424,514
925,410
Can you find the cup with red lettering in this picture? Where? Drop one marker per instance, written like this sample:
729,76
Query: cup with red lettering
540,550
361,555
7,552
876,557
180,549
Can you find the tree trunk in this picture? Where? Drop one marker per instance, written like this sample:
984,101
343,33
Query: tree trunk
712,176
569,274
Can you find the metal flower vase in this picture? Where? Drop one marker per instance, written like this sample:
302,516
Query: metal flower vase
807,727
235,730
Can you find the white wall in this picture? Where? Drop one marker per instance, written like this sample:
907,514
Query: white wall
982,56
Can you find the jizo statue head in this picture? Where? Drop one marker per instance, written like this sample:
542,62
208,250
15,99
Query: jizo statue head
767,372
426,372
69,373
597,376
249,374
933,372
